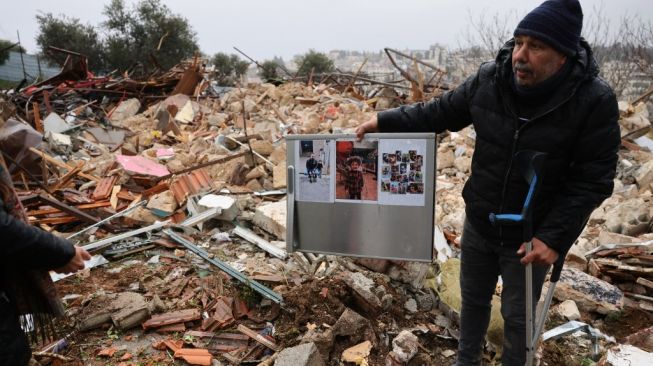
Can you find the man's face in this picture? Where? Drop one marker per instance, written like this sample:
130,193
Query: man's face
533,61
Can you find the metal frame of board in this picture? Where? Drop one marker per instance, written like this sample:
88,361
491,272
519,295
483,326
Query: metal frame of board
363,229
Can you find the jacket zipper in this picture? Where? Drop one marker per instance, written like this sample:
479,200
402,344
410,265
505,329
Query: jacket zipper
514,147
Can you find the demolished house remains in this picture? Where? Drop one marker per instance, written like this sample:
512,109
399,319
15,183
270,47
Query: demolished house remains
178,189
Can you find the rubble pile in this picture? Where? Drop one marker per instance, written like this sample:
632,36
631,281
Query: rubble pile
178,189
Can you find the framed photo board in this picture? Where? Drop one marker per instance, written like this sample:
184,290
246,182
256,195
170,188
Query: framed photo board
373,198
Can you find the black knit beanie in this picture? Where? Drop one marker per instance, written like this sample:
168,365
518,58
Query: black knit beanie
556,22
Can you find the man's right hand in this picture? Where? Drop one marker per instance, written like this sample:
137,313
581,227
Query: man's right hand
76,263
372,125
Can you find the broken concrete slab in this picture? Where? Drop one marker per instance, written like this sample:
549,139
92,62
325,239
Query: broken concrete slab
363,291
630,217
626,355
186,114
411,306
357,354
568,310
128,108
303,355
163,204
589,293
262,147
350,323
608,237
272,218
280,176
405,346
55,124
126,310
445,158
227,205
644,175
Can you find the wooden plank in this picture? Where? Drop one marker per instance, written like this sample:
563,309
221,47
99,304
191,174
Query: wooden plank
114,196
61,164
38,125
61,183
85,206
55,220
69,209
104,188
161,187
258,337
644,282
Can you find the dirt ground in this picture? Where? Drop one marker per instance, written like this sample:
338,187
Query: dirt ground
304,304
308,303
569,351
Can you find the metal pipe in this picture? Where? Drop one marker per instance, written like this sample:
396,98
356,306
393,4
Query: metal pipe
256,286
118,214
529,308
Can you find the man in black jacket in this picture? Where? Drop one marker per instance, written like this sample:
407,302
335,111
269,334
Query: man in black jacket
541,93
26,254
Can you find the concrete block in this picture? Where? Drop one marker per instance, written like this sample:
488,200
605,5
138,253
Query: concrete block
303,355
589,293
279,174
272,218
126,109
568,310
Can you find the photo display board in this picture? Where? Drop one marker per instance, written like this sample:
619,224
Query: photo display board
372,198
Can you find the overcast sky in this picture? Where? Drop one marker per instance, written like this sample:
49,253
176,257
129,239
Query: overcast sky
265,28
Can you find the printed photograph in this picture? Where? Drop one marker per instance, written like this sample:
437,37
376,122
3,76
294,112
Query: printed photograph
403,168
356,170
415,188
314,171
385,171
404,185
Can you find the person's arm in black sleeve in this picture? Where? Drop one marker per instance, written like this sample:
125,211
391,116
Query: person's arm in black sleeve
30,247
448,112
590,179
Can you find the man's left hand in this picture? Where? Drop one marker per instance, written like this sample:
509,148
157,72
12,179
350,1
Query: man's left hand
541,254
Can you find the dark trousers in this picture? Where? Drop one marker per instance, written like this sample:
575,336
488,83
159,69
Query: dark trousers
354,195
14,347
482,262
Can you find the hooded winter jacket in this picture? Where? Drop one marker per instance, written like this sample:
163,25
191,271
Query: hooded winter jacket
577,126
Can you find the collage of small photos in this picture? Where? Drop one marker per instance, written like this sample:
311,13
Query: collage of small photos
401,172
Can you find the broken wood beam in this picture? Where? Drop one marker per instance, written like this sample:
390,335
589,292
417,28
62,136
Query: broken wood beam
38,125
256,286
73,211
203,165
61,164
84,206
24,170
644,282
258,337
63,181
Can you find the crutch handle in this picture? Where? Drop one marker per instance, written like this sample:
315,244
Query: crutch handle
506,219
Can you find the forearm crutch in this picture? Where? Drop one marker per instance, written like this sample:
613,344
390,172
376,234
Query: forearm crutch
529,163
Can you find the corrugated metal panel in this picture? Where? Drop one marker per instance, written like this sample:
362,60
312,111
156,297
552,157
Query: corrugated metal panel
12,69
